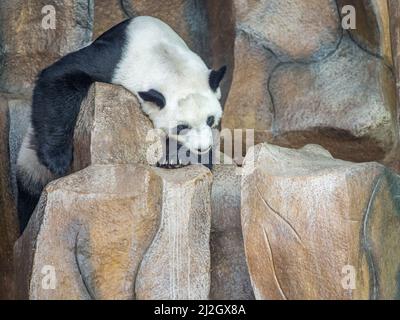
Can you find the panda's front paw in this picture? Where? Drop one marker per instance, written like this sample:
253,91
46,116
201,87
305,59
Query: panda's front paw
57,160
171,161
170,164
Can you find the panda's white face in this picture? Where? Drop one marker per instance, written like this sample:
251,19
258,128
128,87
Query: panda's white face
176,89
187,116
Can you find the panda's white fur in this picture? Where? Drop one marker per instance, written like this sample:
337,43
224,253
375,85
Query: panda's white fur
29,166
165,63
140,54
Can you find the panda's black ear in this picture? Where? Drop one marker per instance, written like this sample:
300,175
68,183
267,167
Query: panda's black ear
216,77
153,96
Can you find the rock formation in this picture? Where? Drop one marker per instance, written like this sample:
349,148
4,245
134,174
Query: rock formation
103,235
319,228
296,71
229,275
111,128
8,217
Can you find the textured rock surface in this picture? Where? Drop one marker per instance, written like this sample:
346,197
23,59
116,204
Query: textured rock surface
335,104
30,47
293,29
328,75
102,222
20,112
268,32
372,26
177,264
8,222
306,215
107,13
93,228
111,128
248,105
221,29
394,21
229,276
17,109
394,11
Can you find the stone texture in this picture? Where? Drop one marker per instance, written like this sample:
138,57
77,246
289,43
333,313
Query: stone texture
8,220
107,13
221,30
109,237
266,33
394,11
111,128
229,276
294,29
335,104
299,78
17,108
93,227
394,20
372,31
306,215
177,264
248,105
20,112
26,47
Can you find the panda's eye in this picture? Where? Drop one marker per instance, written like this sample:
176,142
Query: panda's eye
181,127
210,121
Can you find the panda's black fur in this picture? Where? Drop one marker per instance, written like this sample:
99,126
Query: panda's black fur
57,96
59,92
47,149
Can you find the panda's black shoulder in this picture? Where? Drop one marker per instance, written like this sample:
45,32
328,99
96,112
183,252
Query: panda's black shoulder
98,60
115,33
103,55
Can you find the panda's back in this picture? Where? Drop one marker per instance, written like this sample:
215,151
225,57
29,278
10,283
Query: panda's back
145,31
153,54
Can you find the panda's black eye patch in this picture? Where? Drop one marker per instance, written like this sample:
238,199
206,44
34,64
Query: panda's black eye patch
153,96
210,121
181,128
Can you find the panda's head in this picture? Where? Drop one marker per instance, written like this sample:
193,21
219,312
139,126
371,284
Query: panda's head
187,107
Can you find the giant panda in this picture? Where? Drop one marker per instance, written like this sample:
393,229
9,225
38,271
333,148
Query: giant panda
175,88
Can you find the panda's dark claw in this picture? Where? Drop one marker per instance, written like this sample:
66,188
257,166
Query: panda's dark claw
170,165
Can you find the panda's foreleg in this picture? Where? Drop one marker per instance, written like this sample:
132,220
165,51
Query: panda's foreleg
55,108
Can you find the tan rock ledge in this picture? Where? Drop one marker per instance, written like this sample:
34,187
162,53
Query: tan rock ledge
319,228
119,232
